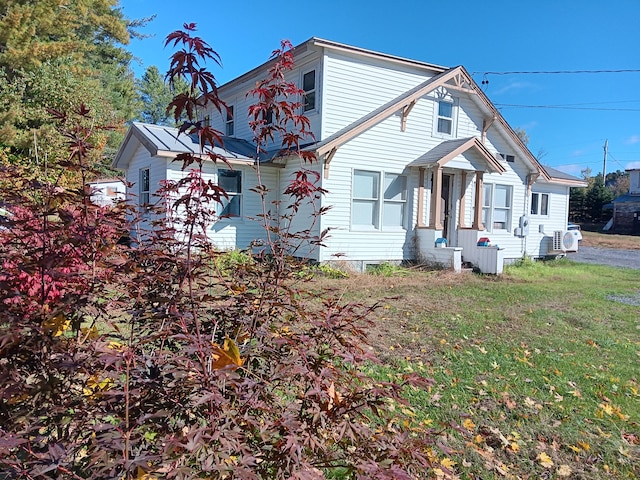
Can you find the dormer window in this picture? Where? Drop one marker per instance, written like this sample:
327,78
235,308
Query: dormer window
309,87
445,117
229,123
508,158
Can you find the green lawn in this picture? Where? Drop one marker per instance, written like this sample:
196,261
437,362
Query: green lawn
539,367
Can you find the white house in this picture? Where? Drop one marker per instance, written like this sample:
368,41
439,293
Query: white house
410,154
107,191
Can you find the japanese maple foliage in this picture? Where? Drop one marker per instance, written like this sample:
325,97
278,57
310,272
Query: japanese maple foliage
152,361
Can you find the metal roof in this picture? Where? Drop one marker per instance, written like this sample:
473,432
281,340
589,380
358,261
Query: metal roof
627,198
167,139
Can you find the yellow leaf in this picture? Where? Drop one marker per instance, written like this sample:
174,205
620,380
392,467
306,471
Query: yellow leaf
468,424
142,475
585,446
564,471
606,408
575,449
56,325
545,460
447,463
515,448
89,333
225,356
94,386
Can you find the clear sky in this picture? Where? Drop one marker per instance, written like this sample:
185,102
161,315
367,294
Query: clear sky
574,113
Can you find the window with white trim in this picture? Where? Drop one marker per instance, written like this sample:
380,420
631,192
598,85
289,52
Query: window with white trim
229,122
144,188
309,87
445,117
378,204
540,204
497,206
231,182
395,200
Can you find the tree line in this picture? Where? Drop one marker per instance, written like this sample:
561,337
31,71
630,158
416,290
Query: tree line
52,55
592,204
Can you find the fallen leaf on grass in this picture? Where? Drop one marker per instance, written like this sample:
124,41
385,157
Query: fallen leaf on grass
468,424
545,460
564,471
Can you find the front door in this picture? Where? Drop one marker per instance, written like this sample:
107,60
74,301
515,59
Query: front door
445,212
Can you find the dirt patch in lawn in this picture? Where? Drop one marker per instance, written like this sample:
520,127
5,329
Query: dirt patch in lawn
610,240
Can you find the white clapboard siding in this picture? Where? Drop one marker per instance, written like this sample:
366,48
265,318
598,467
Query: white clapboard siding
541,227
355,86
231,233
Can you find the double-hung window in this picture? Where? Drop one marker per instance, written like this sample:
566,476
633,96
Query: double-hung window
309,87
378,200
496,206
445,117
540,204
395,200
144,188
231,182
229,122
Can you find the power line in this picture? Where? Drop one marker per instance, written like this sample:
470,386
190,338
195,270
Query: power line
556,72
566,107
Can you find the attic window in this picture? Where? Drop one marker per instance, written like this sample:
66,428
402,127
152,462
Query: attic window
309,87
229,123
445,117
508,158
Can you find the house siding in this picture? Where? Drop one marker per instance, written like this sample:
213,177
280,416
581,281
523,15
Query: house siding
231,233
354,87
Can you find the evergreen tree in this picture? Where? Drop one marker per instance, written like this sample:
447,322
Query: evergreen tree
55,55
155,95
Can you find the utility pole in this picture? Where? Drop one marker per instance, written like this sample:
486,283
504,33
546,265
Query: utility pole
604,164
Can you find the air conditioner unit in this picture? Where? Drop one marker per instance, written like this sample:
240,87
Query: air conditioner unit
564,241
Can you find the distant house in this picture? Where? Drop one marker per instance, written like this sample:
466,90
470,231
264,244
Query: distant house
107,191
626,208
411,153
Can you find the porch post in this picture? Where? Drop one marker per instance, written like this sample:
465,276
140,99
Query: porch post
421,199
477,218
463,197
436,198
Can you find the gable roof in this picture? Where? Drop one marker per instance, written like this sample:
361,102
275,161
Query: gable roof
376,116
454,78
448,150
556,176
163,141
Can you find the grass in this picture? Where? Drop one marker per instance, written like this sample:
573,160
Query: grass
539,368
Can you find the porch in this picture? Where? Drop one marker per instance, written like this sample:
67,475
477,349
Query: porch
444,193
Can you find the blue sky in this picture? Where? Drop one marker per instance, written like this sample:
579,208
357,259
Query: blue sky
580,112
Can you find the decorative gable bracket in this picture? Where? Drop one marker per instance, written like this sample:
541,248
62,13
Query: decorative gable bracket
406,110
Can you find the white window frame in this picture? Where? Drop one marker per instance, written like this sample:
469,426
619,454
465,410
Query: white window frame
489,207
443,98
229,122
379,201
538,206
144,188
233,195
314,91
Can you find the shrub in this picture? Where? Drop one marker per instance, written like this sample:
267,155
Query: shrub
143,361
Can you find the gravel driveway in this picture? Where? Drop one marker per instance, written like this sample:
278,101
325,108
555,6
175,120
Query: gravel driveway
607,256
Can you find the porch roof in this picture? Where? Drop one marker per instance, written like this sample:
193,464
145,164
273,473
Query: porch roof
450,149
